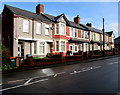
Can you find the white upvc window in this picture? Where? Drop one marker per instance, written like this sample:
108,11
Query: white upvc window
57,28
75,32
25,25
76,48
38,28
62,29
82,34
91,35
98,37
35,47
57,45
42,48
71,32
62,45
47,29
94,36
86,34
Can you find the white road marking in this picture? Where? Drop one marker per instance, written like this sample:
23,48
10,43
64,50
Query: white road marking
59,74
28,78
22,85
16,81
116,62
85,69
94,67
55,75
27,81
113,63
110,63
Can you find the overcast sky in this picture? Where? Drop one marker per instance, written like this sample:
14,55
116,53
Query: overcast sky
91,12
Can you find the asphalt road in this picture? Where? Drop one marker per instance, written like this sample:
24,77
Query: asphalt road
92,77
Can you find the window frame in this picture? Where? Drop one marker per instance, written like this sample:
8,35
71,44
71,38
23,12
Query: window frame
48,28
37,32
43,48
62,45
28,25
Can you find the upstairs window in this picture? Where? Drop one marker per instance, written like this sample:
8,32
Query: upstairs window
94,36
91,35
98,37
75,32
47,30
62,29
71,32
25,26
57,28
86,34
82,34
38,28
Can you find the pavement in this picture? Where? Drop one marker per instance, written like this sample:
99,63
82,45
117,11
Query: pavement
54,65
91,76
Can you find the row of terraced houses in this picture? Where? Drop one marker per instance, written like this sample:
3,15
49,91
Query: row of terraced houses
39,33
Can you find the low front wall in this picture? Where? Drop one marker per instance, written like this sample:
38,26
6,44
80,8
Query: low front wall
41,62
60,58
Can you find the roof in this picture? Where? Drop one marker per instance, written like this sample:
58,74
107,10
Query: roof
50,19
69,23
117,40
110,33
28,14
73,24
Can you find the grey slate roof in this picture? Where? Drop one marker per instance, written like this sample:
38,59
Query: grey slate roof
27,14
50,19
109,33
69,23
117,40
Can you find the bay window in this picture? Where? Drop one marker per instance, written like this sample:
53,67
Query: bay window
71,32
62,29
57,28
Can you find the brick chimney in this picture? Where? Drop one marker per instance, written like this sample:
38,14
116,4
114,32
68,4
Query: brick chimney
39,9
89,24
77,19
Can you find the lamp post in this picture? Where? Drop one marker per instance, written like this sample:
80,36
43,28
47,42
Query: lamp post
103,38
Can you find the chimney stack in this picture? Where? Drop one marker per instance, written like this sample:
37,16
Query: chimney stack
89,24
39,9
77,19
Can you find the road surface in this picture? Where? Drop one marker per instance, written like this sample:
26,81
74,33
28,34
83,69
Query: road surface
99,76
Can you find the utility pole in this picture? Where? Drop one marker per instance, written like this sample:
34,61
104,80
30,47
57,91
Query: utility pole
103,38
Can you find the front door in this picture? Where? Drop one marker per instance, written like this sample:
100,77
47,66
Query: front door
71,49
20,49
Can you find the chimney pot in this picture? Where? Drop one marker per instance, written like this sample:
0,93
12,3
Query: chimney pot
39,9
89,24
77,19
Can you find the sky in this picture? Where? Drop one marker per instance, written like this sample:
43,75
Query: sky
89,12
